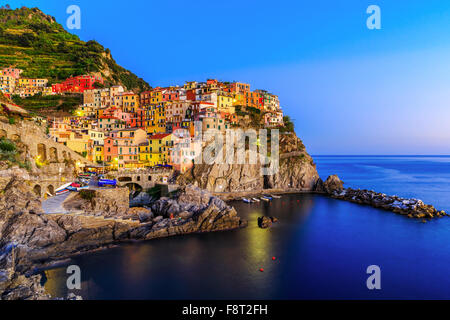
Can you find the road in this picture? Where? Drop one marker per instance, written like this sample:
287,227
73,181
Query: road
54,204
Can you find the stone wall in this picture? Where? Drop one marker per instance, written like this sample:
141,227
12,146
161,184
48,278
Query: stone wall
59,160
102,202
34,137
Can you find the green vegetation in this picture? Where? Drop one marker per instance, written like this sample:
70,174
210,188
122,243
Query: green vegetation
155,192
35,42
288,125
41,103
7,146
11,155
254,114
57,102
87,194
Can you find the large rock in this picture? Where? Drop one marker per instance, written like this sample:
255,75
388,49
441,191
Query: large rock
140,213
141,199
21,219
21,287
105,202
333,184
297,171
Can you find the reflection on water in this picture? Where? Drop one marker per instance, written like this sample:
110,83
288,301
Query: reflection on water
322,248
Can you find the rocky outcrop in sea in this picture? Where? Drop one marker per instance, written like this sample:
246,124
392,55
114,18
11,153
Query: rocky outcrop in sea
412,208
192,210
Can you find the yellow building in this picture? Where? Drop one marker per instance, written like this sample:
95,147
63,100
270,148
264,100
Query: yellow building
239,100
190,85
82,144
157,116
47,91
84,111
130,102
156,96
7,84
144,153
98,153
225,103
24,83
159,148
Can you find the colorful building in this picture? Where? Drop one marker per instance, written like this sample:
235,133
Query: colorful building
157,119
128,141
82,144
7,84
273,119
12,72
77,84
35,83
108,123
99,153
159,148
110,151
130,101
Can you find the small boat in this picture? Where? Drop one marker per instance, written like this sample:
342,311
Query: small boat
63,187
62,191
71,188
256,199
275,196
246,200
267,196
107,182
265,199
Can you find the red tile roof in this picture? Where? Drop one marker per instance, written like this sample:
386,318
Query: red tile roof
159,136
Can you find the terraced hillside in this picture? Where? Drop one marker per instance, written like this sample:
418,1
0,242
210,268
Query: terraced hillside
36,43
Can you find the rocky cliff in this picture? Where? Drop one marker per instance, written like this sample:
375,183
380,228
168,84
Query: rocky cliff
297,172
39,239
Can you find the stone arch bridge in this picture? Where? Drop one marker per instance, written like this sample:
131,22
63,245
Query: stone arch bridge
142,179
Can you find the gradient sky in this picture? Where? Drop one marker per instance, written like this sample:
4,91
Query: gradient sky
349,89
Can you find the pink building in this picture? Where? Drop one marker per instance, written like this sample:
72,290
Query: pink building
12,72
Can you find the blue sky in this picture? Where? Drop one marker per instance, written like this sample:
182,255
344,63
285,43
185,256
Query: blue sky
349,89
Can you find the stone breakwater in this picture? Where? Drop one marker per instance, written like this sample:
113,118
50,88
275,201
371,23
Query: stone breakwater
412,208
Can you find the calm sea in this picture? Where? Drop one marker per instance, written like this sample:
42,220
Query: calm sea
322,247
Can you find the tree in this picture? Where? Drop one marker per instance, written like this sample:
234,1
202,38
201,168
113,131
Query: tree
288,124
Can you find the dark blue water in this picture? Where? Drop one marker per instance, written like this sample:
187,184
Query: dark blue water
423,177
322,247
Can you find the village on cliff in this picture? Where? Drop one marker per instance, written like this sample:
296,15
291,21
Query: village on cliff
123,130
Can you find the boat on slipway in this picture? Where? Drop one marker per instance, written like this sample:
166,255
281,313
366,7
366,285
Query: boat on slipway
63,189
